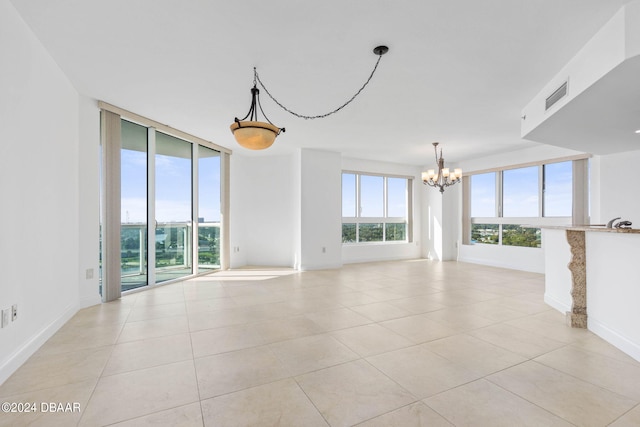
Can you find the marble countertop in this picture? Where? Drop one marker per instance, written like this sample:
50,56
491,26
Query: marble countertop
598,228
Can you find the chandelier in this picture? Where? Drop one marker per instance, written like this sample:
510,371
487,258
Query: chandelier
256,135
443,177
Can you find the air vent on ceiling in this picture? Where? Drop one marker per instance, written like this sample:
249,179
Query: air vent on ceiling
556,96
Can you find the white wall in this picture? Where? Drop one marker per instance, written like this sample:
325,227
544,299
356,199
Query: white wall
517,258
612,273
320,209
286,209
387,251
613,290
451,224
618,176
39,186
431,224
612,284
557,254
89,202
262,214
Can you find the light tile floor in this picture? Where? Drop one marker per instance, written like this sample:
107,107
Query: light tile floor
403,343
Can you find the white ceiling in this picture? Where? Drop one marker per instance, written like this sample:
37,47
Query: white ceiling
458,71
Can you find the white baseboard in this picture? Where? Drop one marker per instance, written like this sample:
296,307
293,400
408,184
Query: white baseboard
614,338
492,263
558,305
320,267
89,301
379,259
24,352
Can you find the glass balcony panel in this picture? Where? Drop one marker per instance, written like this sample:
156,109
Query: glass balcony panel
208,246
173,208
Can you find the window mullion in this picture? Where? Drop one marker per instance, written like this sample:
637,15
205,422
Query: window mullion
195,208
385,207
541,191
151,206
358,208
499,195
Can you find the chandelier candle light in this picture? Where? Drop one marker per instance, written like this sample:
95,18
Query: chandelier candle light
443,177
256,135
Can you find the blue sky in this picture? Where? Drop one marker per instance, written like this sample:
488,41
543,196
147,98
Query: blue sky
520,192
372,196
173,179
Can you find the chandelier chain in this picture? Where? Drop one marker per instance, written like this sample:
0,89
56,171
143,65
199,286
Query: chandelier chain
319,116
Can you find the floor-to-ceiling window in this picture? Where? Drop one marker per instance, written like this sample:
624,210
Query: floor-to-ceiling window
173,203
208,209
133,207
170,201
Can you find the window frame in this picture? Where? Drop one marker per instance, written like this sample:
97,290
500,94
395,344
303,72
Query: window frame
384,219
580,208
110,211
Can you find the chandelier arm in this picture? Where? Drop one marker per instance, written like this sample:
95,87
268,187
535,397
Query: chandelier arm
262,111
245,117
319,116
252,109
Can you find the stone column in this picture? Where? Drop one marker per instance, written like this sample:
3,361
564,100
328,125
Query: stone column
577,318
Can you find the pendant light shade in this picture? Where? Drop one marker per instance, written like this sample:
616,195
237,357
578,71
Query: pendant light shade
254,135
251,133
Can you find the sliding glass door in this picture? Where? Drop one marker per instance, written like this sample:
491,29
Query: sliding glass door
133,203
170,199
173,202
208,209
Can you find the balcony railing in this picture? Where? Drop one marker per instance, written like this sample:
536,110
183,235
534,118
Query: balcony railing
173,247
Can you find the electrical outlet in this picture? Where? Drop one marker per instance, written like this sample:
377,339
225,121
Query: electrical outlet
14,312
5,317
89,273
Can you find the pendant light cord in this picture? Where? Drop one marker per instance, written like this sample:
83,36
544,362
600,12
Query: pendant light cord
319,116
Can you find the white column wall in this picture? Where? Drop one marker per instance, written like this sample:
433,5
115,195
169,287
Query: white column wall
262,210
557,289
39,186
89,202
613,290
431,204
320,209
